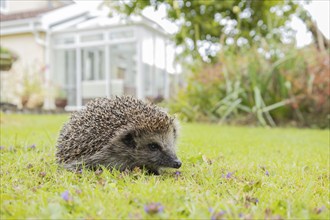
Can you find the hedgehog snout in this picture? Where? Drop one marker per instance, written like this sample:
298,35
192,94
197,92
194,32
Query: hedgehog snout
172,161
177,164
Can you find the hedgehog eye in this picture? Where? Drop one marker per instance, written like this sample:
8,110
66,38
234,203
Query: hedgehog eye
154,146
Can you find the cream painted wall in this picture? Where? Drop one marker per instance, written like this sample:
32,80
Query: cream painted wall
30,61
25,46
25,5
14,6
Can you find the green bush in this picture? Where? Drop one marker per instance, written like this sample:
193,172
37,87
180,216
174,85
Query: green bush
269,86
7,58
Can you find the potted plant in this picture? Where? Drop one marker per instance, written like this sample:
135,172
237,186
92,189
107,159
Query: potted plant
61,99
32,94
7,58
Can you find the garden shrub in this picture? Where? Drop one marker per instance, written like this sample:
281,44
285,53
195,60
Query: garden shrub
269,86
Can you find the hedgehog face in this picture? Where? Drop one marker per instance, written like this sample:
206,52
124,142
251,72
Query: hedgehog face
153,150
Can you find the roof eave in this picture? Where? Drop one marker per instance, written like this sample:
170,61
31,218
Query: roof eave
19,26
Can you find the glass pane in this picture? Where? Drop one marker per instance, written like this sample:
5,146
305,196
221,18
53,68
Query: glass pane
123,69
64,73
160,52
117,35
147,80
93,64
3,4
160,82
93,73
64,40
160,66
91,37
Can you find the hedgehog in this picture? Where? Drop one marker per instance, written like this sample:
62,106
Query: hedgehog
119,133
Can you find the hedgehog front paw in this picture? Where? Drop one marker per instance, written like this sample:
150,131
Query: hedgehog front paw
153,172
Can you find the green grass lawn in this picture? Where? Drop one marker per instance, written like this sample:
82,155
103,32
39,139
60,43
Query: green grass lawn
227,172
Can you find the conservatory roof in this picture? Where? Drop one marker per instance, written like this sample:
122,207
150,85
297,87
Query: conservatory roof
42,19
104,21
69,18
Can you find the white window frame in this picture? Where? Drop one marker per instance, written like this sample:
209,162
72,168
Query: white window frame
106,42
96,68
5,7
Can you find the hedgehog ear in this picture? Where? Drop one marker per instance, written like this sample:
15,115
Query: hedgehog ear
128,140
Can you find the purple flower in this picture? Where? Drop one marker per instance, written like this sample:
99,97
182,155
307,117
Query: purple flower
222,213
267,173
2,147
319,210
153,208
66,196
33,146
211,210
42,174
229,175
177,173
218,215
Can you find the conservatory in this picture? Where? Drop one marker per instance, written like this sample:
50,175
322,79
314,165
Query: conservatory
110,58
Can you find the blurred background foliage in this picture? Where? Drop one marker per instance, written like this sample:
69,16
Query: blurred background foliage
242,64
248,88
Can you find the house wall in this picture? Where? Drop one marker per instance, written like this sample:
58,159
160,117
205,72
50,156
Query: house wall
21,5
24,5
30,63
25,46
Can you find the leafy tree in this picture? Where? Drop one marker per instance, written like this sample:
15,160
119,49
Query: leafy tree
204,24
